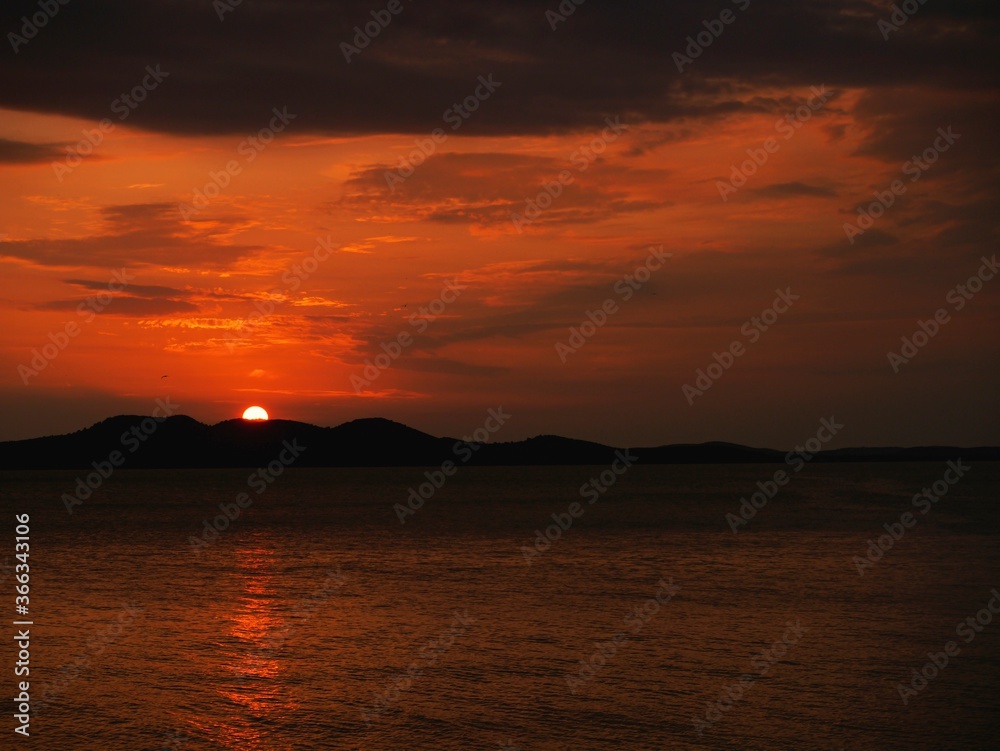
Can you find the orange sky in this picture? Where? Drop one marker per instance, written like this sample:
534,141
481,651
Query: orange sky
260,242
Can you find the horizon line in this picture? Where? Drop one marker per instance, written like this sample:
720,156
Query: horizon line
790,450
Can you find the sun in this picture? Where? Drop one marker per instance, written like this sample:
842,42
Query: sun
255,413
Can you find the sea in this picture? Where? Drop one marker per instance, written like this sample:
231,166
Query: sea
853,607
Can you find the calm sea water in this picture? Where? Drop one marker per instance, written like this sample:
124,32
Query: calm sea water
317,620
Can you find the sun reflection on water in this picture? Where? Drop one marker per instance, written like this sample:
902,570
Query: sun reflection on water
253,683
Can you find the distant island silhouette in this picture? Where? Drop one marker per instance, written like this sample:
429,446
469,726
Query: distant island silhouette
183,442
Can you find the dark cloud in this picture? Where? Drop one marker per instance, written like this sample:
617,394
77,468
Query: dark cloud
794,190
904,123
446,366
872,238
608,58
19,152
136,235
449,188
138,307
134,300
136,290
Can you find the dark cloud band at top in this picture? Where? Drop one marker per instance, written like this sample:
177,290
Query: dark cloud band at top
607,58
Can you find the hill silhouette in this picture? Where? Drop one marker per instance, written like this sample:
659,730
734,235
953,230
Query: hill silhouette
181,441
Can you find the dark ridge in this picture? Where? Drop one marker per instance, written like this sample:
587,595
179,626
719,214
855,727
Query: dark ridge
136,442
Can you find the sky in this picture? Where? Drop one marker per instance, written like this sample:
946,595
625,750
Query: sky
634,223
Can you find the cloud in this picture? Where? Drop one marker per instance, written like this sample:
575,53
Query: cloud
794,189
135,300
145,300
904,122
136,307
149,234
607,58
447,366
487,189
136,290
19,152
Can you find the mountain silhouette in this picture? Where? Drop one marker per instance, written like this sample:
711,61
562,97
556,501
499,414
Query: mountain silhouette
136,442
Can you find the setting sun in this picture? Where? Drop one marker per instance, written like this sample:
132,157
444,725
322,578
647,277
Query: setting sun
255,413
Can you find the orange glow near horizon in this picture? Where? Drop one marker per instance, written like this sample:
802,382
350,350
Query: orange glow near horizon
294,284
